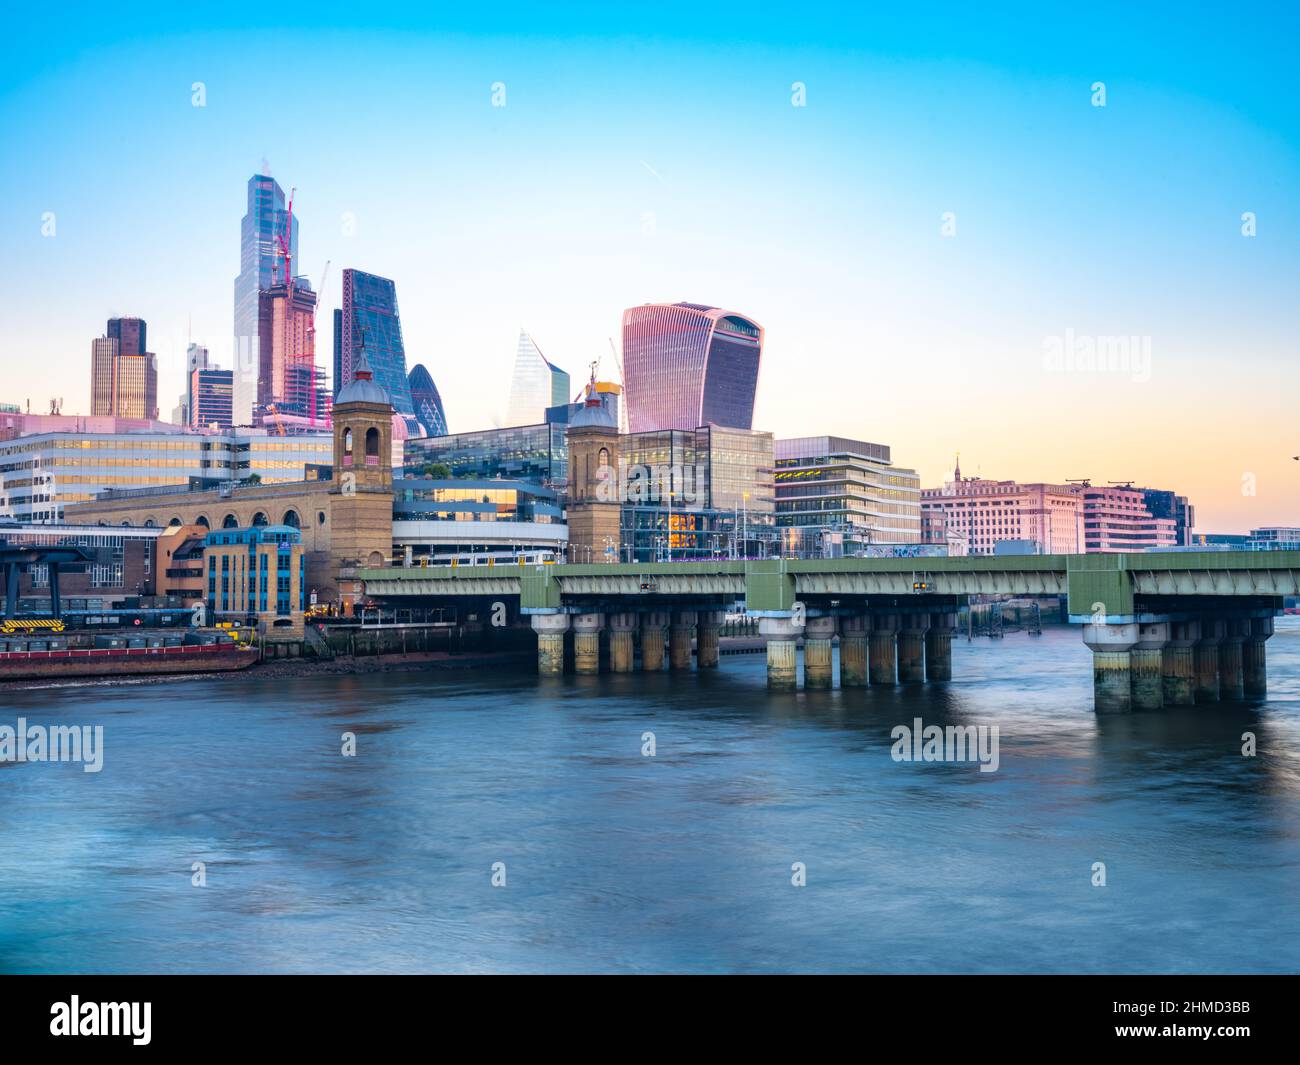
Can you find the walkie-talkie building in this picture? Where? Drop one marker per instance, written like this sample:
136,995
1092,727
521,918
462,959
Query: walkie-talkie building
687,365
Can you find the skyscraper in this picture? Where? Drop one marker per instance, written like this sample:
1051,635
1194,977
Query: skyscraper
196,358
535,385
428,403
287,348
687,365
123,383
260,266
103,359
130,334
369,314
210,394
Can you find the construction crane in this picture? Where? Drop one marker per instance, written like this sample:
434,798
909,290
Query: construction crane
311,338
279,422
283,240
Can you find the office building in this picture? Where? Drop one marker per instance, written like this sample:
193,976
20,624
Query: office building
534,454
64,464
258,577
369,316
836,496
1117,519
687,364
1165,504
211,393
123,376
261,265
427,402
535,386
980,513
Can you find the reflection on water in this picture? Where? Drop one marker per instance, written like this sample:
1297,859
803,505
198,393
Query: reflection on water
682,861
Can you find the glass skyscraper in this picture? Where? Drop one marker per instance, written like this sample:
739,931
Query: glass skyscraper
369,312
428,403
687,365
260,266
535,386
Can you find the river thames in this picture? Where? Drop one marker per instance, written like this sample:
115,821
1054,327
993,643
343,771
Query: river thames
616,861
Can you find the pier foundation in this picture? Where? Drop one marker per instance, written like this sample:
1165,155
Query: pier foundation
586,642
884,658
1254,666
853,651
818,635
621,642
781,636
938,646
550,629
1146,661
1231,679
1177,663
911,648
706,638
1111,665
680,635
1205,658
652,641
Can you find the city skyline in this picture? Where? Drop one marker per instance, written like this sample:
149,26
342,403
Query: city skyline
1070,223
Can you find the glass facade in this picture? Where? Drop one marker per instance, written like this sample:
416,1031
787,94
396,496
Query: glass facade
536,454
370,314
40,474
535,386
416,499
259,265
839,496
427,402
211,393
685,365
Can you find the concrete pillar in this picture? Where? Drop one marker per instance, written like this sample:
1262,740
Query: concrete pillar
706,638
621,654
586,642
938,645
550,629
818,636
652,641
679,639
883,666
853,650
781,635
1178,666
1205,658
1254,665
1231,679
911,648
1111,666
1146,663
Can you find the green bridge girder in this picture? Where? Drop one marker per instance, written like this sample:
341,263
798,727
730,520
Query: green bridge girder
1097,585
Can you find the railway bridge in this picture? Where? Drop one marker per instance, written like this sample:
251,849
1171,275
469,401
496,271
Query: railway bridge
1165,628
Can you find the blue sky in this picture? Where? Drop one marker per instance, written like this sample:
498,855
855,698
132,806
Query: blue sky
652,153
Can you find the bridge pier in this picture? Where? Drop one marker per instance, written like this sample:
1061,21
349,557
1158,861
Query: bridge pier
1111,665
621,645
854,631
1206,657
1231,679
1178,667
680,634
1253,661
938,646
884,655
818,636
652,641
781,636
706,638
911,648
550,629
586,642
1146,662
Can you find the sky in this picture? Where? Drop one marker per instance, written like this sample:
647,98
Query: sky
934,241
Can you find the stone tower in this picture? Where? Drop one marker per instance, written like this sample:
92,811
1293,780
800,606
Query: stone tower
362,496
594,495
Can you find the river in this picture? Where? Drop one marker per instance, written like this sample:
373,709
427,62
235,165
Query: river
618,861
